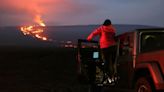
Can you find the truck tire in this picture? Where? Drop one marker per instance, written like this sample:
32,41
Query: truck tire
144,84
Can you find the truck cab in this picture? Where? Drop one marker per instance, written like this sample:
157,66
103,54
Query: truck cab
140,61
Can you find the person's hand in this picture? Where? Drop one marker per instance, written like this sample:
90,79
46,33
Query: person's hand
89,38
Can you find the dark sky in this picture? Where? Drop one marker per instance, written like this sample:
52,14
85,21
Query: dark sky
82,12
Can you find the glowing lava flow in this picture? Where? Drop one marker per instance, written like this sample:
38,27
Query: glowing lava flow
35,30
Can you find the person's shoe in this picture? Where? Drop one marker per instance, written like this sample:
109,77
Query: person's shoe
116,78
110,80
105,81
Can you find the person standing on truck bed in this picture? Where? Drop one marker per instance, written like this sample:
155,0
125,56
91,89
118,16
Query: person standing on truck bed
106,33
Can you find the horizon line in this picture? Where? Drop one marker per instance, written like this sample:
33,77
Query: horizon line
86,25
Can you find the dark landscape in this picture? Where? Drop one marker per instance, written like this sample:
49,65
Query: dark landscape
38,70
31,65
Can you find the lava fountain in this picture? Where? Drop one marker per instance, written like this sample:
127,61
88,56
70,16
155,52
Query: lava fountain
35,30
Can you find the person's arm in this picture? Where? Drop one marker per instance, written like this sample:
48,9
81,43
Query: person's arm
94,33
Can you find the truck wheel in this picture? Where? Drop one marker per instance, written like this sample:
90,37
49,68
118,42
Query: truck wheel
144,84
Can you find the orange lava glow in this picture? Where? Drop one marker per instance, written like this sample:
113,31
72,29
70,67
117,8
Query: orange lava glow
35,30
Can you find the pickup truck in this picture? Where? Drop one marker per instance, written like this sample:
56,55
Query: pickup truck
140,61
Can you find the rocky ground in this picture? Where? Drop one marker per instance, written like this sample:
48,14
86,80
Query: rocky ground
40,70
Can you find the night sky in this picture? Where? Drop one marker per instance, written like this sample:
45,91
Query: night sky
82,12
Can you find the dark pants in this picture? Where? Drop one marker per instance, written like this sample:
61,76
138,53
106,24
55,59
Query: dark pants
108,56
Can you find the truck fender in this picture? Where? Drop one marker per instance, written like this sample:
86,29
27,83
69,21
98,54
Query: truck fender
154,70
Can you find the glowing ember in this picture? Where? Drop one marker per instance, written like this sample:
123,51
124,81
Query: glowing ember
35,30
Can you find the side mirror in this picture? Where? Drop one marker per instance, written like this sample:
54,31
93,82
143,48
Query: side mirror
126,48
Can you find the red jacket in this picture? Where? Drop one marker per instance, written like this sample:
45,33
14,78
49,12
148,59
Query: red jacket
106,34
